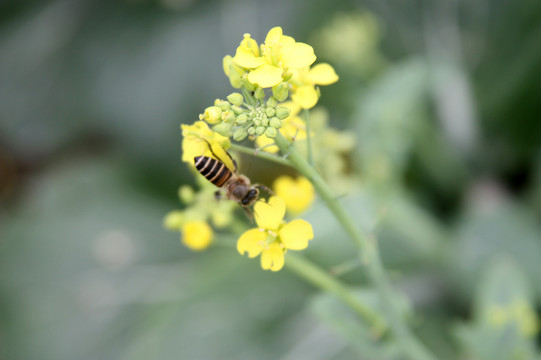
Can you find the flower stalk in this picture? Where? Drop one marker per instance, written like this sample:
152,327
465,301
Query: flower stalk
368,252
321,279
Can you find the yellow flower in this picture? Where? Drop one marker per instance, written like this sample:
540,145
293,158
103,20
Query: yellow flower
278,54
304,80
196,235
298,194
193,144
273,236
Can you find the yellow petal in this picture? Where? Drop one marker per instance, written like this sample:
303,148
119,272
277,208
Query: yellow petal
274,35
266,76
297,55
192,147
272,258
270,215
296,234
298,194
322,74
246,58
223,156
251,242
197,235
264,143
305,96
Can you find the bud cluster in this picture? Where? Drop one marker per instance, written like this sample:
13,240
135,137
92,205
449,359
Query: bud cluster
239,118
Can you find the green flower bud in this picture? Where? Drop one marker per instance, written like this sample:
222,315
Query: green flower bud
251,130
186,194
239,134
287,76
174,220
257,122
259,93
236,99
223,129
260,130
241,119
265,122
272,102
248,85
280,91
228,116
236,74
212,115
282,112
271,132
275,122
270,112
237,109
222,104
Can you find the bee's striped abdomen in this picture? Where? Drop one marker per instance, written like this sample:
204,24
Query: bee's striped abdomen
213,170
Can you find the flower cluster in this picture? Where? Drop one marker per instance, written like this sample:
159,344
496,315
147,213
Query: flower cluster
236,118
202,209
281,64
274,82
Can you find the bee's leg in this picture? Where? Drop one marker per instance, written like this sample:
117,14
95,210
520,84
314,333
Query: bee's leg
264,188
249,213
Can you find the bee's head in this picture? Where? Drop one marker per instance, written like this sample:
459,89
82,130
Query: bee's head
250,197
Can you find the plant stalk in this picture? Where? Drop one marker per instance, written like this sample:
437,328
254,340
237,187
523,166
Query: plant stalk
368,252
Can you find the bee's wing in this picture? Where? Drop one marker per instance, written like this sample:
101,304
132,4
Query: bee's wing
222,155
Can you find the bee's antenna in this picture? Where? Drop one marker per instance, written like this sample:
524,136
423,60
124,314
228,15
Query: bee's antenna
264,188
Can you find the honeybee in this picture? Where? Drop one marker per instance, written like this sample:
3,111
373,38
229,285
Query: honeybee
237,187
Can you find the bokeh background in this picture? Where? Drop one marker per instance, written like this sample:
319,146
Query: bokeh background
442,97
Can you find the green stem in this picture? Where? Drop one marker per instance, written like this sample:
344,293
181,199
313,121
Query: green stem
306,115
321,279
368,252
260,154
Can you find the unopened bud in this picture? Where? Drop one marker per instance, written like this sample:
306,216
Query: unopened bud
281,91
259,93
237,109
223,129
260,130
271,132
272,102
251,130
270,112
228,116
248,85
186,194
282,112
174,220
241,119
287,76
235,75
275,122
212,115
222,104
236,99
239,134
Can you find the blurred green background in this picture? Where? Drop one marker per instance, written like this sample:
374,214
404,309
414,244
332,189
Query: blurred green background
443,98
